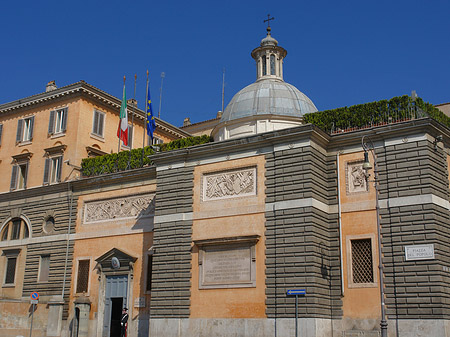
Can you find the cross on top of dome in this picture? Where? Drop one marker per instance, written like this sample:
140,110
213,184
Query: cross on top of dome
268,21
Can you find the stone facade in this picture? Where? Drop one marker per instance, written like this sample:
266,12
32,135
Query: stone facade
171,276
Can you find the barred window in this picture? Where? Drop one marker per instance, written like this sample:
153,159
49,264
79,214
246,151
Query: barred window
83,276
362,262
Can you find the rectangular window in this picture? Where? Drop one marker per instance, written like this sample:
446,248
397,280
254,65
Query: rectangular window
154,141
83,276
15,234
44,268
52,170
10,273
1,131
361,262
25,129
19,176
148,286
130,136
58,121
98,123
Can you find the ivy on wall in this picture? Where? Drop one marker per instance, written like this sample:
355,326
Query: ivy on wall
126,160
384,111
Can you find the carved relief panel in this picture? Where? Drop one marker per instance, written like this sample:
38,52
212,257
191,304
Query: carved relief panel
130,207
355,179
229,184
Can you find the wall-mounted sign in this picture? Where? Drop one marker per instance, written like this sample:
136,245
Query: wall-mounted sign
115,263
139,302
419,252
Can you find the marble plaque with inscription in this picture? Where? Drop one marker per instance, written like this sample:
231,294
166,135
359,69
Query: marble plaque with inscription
419,252
227,266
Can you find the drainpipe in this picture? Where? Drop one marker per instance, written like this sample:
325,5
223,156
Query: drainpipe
340,223
70,195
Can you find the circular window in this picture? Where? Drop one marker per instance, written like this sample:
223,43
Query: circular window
49,225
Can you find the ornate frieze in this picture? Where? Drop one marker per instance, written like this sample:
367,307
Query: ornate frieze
229,184
136,206
355,178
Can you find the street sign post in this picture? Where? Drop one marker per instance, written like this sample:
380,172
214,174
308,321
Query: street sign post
34,300
296,293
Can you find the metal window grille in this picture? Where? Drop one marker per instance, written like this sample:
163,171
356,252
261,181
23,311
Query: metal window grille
83,276
362,265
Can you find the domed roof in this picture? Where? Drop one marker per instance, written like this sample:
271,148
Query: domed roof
269,41
268,97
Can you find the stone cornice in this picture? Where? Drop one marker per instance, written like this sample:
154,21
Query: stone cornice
84,185
253,142
415,126
87,90
308,131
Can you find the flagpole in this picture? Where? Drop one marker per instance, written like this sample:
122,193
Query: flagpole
132,113
120,132
145,122
163,74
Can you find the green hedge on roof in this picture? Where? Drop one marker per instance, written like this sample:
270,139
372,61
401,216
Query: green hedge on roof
126,160
357,116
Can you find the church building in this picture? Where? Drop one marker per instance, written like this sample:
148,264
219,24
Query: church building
276,205
282,225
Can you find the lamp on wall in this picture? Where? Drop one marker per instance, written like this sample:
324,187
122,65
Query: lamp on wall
367,146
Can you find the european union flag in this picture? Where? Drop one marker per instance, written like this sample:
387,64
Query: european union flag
151,125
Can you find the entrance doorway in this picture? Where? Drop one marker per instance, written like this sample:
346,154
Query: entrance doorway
116,315
115,301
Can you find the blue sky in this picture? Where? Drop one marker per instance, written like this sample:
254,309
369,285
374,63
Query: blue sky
340,53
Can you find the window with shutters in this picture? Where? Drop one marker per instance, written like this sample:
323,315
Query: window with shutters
19,176
361,262
58,121
98,123
44,268
10,259
52,170
83,276
25,130
1,131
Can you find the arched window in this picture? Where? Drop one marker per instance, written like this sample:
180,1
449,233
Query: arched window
15,229
264,65
272,64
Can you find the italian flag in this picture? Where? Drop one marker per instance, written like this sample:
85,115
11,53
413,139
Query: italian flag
122,132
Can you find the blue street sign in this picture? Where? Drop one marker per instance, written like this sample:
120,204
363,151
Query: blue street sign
34,295
296,292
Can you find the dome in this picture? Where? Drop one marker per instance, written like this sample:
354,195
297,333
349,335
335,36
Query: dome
269,41
269,103
268,97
